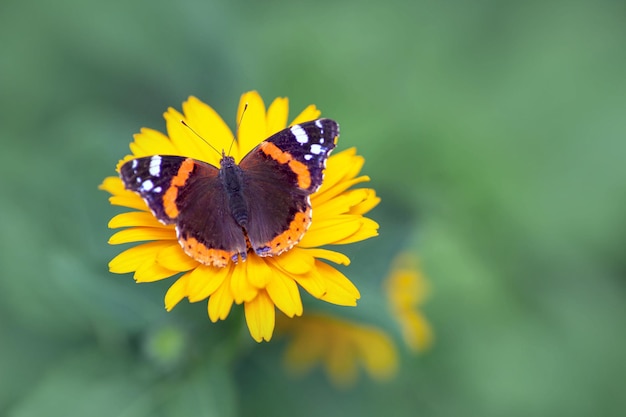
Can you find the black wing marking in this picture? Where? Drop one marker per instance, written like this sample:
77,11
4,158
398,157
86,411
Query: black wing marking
151,177
309,143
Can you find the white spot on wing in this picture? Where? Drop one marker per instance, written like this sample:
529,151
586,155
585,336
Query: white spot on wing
147,185
157,189
308,157
316,149
134,164
155,166
300,134
318,123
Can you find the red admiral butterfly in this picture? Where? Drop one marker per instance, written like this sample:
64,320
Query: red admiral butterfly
260,204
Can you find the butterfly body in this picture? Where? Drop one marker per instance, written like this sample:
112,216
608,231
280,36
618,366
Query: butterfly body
232,178
261,204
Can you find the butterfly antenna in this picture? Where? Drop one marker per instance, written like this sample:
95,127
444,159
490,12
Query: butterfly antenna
198,135
245,107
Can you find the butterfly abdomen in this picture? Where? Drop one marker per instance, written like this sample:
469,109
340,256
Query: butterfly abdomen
231,176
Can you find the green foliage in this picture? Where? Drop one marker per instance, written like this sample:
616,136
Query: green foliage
493,131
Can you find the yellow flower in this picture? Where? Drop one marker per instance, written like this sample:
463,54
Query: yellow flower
340,346
406,290
260,283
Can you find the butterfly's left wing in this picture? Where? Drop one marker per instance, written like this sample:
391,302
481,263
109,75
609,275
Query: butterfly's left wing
189,193
279,176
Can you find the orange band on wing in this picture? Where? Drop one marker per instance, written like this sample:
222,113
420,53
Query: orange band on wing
203,254
290,237
304,176
301,171
169,198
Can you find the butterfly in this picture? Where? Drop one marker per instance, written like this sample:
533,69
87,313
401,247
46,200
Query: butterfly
261,204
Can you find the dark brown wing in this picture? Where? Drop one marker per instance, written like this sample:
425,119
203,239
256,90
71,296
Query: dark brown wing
279,176
188,193
274,202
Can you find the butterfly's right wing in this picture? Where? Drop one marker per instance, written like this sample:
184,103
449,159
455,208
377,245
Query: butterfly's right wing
280,174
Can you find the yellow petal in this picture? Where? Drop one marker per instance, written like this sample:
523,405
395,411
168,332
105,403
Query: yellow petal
339,289
336,257
340,346
112,185
252,128
240,287
137,234
368,229
370,201
151,271
134,218
174,258
377,352
305,350
128,200
283,292
322,196
342,166
176,292
340,364
260,317
259,272
205,280
340,204
308,114
313,282
220,302
121,196
186,142
328,231
416,331
132,258
354,163
151,142
406,288
277,115
210,126
294,261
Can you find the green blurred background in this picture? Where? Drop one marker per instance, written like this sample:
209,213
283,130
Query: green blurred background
494,132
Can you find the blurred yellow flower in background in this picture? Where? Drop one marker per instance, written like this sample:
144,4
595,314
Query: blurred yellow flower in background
261,284
406,290
340,347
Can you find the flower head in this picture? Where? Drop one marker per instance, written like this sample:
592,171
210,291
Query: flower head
406,290
261,284
340,346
